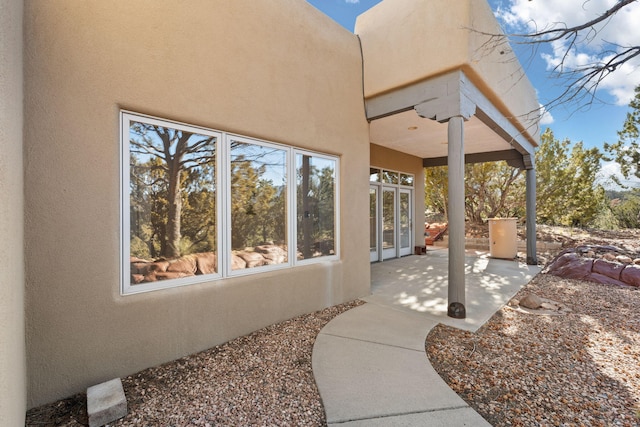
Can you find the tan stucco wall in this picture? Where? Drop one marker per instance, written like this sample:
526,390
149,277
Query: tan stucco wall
387,158
12,343
408,41
405,41
277,70
498,73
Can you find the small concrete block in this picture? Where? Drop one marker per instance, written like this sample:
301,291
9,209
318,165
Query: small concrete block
106,403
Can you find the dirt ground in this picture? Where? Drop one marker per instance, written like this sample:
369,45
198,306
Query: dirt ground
569,236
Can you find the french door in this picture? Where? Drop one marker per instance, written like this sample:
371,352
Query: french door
390,222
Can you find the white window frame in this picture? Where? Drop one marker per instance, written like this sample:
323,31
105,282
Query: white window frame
227,185
223,206
381,171
126,288
336,219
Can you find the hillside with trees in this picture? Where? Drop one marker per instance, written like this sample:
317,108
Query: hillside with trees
571,188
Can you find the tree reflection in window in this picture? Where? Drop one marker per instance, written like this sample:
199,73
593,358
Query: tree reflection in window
316,184
172,195
258,205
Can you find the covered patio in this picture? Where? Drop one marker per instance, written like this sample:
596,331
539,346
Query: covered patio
446,92
418,284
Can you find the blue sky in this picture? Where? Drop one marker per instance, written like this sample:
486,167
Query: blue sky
594,124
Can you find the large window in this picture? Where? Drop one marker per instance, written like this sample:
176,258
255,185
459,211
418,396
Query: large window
200,204
258,177
316,205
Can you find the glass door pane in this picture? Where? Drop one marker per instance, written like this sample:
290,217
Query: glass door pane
389,223
405,222
373,224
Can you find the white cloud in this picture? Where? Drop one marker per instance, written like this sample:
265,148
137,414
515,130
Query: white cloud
352,1
609,169
545,117
623,29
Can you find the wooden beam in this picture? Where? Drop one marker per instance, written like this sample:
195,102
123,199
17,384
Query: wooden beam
406,98
513,157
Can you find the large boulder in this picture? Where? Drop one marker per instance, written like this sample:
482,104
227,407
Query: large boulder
206,263
599,264
572,266
144,267
631,275
608,268
173,275
272,254
185,264
237,263
252,259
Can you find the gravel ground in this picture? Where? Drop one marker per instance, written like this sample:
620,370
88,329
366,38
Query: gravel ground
262,379
524,368
580,367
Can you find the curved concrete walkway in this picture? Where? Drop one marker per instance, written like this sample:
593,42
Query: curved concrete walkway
370,363
371,369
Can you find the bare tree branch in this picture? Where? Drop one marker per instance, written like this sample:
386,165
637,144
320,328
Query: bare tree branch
579,83
554,34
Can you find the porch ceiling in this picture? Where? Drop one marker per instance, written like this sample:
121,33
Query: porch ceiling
409,133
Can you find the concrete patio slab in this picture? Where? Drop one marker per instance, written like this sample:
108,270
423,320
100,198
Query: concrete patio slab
418,284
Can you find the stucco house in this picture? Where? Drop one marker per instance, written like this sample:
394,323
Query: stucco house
247,110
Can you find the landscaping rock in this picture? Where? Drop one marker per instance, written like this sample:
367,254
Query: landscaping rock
549,306
531,301
572,266
206,263
106,402
185,264
608,268
631,275
237,263
599,264
272,254
624,259
253,259
143,271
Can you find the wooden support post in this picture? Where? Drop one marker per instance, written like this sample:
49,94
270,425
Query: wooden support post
532,258
456,288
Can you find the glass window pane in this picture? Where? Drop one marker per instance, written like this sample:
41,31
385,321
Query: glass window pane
389,177
389,219
316,209
406,179
258,205
405,219
373,220
374,175
172,203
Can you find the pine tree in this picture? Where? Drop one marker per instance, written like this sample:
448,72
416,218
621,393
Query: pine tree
626,152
